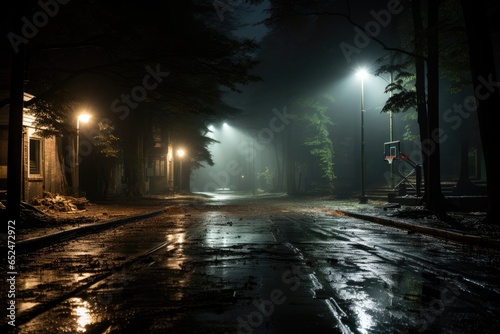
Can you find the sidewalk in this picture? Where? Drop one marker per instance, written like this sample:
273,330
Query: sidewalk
40,227
467,228
464,228
39,230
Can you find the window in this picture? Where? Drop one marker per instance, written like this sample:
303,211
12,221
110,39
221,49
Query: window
35,154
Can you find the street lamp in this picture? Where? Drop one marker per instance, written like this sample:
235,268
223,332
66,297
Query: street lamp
180,154
362,74
84,118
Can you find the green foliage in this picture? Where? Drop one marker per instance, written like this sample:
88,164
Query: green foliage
316,126
410,134
52,117
265,179
100,51
106,142
402,88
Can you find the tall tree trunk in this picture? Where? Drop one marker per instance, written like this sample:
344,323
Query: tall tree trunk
485,82
134,161
421,91
278,179
464,185
431,148
290,163
14,155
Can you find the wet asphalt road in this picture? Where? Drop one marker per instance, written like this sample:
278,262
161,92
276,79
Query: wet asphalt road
257,265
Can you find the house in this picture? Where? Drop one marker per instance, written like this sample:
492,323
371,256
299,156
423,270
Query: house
42,169
159,160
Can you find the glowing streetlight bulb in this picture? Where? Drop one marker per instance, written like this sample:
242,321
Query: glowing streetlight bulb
362,73
181,152
84,118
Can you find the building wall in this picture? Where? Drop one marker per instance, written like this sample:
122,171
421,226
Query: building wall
46,174
41,165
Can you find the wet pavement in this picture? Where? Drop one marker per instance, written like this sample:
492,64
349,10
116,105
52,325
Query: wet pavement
238,264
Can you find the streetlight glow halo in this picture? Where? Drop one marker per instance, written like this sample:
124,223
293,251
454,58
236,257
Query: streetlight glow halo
84,117
362,73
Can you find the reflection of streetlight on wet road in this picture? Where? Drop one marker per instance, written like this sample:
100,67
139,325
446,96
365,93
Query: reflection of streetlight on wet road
180,153
84,118
361,73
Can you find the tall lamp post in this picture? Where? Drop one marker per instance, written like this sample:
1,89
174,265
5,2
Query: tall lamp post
391,127
180,153
84,118
361,74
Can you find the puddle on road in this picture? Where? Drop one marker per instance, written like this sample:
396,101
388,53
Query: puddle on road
75,315
81,311
23,306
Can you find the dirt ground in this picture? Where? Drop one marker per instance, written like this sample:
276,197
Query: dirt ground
46,218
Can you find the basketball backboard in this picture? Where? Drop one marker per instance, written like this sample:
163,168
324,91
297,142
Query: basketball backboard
391,151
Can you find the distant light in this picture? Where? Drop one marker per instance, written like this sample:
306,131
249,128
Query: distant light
181,152
362,73
211,127
225,124
84,118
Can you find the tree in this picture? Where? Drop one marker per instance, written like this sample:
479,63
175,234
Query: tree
16,100
104,160
485,83
431,142
482,64
134,61
316,139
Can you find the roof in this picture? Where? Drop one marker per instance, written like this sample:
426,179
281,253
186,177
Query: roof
27,118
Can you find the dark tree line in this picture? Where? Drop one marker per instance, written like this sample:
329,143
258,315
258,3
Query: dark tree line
132,63
430,51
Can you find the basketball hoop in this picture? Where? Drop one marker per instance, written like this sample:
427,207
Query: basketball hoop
390,158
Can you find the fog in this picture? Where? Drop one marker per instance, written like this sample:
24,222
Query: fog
308,61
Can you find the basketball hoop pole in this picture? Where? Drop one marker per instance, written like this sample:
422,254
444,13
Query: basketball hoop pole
391,136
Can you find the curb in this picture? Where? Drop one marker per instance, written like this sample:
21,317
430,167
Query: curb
469,239
45,241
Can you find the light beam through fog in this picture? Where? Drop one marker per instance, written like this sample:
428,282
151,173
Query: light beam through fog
245,158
